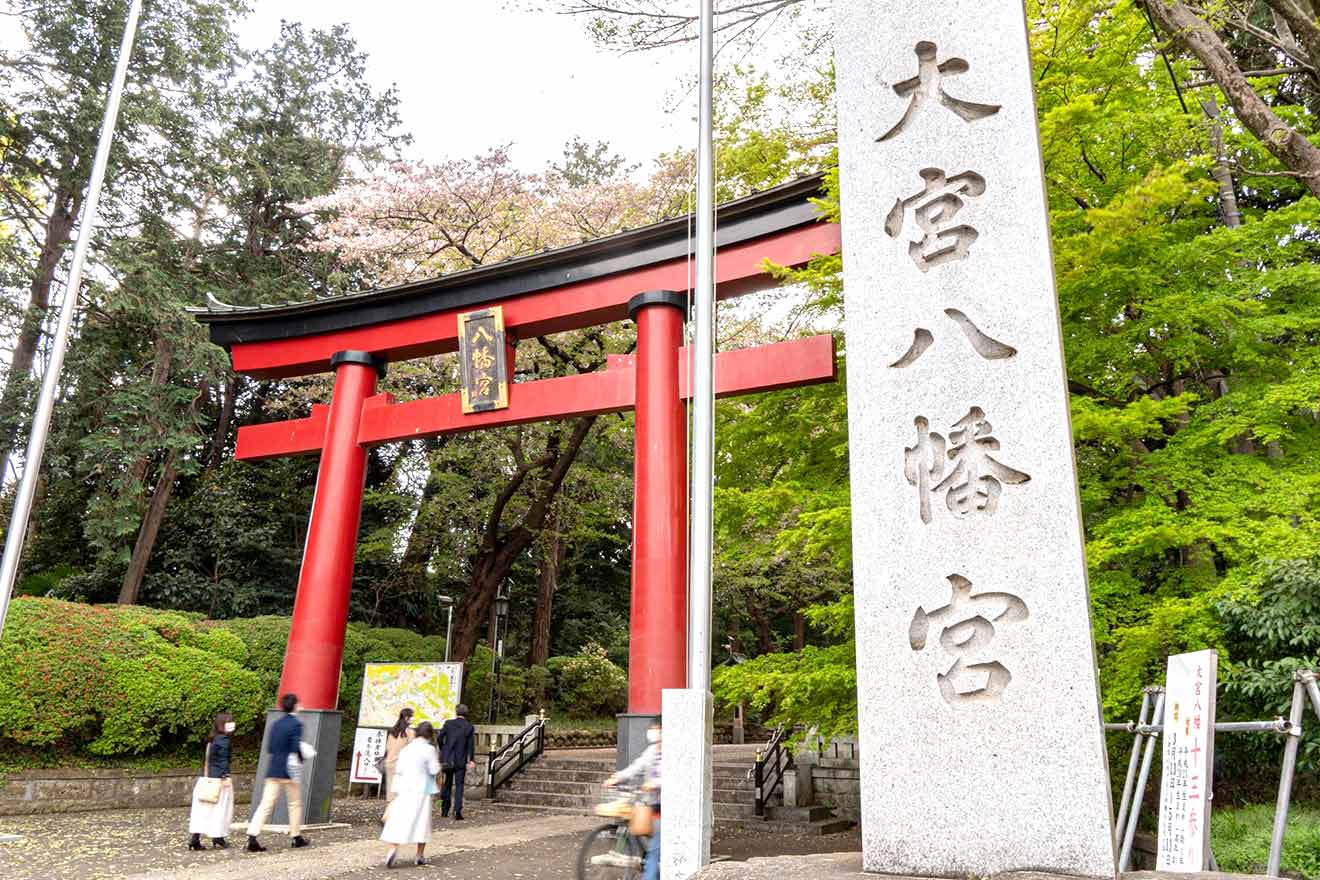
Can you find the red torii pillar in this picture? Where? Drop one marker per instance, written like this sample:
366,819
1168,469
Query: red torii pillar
657,644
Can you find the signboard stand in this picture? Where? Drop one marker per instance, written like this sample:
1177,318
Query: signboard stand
431,690
1189,748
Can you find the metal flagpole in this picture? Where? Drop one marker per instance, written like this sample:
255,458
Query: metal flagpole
18,520
703,373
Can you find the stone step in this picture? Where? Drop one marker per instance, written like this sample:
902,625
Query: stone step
513,807
547,799
549,786
536,771
593,764
770,826
804,815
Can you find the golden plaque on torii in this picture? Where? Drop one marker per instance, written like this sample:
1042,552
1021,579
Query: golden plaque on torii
484,360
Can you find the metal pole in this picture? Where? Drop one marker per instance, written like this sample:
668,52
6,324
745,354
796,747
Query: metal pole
1309,681
449,631
1286,777
1142,718
703,373
27,486
1125,855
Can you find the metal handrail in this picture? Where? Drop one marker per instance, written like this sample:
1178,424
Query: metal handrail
515,749
778,759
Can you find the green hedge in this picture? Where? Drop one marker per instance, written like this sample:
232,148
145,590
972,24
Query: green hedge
116,680
126,680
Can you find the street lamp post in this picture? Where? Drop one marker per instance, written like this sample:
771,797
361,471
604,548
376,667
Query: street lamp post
497,662
448,602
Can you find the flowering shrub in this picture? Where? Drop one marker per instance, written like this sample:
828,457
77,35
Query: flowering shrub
123,680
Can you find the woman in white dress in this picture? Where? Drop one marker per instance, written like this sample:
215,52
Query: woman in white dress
213,819
409,819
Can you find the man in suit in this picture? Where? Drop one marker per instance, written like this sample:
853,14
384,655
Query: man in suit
284,745
458,754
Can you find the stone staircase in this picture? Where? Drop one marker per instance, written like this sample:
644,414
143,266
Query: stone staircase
562,783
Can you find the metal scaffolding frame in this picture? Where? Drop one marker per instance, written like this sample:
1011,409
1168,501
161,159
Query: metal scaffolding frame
1306,685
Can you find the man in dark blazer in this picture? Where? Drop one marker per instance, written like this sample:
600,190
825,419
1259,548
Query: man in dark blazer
285,742
458,754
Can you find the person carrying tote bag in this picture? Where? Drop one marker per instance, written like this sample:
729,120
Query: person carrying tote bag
213,794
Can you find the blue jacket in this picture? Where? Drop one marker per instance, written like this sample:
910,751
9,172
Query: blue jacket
457,743
217,757
285,738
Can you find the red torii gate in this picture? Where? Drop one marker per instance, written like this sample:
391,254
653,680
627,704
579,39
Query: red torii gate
633,274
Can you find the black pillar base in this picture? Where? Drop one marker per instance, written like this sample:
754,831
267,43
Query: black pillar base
321,732
632,736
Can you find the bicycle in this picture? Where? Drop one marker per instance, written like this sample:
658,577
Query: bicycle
612,851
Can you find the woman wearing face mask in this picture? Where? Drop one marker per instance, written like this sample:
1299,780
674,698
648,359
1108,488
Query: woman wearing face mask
646,770
212,819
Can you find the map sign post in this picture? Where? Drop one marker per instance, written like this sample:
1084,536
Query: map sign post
431,690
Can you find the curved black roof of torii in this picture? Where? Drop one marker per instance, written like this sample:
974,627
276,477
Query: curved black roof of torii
773,210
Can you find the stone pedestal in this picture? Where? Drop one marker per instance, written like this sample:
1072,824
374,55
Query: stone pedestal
632,736
686,804
321,731
981,741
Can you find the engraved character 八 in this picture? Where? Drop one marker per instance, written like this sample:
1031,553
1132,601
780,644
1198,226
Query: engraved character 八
934,209
966,627
928,85
986,346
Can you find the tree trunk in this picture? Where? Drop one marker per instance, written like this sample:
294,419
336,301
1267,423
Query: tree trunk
59,229
551,561
220,440
146,539
799,631
498,553
1289,146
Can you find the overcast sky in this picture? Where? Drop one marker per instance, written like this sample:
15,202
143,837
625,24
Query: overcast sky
473,74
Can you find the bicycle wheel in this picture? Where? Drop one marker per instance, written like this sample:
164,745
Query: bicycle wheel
610,853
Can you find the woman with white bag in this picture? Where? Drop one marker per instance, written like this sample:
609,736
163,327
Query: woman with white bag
409,819
213,795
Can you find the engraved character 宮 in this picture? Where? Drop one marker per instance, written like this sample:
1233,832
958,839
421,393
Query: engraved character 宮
934,209
967,625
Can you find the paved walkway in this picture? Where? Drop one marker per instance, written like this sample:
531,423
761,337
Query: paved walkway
493,844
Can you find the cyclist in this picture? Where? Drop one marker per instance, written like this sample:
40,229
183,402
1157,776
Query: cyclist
647,769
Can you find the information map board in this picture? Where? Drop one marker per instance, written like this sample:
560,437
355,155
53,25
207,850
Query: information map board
431,690
1189,754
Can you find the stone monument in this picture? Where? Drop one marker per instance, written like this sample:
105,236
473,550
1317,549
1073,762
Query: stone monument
981,740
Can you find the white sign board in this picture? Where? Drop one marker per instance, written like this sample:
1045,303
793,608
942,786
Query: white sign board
431,690
1189,754
368,756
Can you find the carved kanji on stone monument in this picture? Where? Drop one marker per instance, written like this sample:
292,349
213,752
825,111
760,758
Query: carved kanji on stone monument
928,85
974,484
934,208
967,626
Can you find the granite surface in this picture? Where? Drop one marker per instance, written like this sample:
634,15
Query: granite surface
981,743
847,866
686,805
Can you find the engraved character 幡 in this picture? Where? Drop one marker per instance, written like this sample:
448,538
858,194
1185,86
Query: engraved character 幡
928,85
967,625
483,358
934,209
974,483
